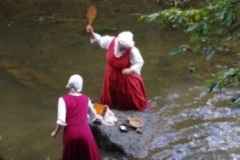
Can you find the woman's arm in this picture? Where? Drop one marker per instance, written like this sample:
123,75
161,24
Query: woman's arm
90,30
136,61
61,117
94,117
102,41
56,130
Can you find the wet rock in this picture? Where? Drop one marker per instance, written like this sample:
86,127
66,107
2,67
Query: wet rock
130,143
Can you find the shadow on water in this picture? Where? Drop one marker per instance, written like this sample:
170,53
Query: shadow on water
43,44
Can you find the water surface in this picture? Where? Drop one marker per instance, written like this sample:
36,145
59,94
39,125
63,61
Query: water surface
42,46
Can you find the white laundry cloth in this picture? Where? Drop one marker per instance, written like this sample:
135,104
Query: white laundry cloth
109,118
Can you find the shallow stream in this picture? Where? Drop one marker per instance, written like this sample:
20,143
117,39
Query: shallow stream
42,45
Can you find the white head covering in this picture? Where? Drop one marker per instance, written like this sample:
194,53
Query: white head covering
126,39
75,82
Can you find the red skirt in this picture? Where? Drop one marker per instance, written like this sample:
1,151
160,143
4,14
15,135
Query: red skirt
79,144
124,92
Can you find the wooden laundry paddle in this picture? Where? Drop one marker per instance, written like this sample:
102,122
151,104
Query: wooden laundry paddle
91,14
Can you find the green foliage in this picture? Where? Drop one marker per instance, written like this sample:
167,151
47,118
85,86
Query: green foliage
191,68
235,101
207,24
224,78
180,49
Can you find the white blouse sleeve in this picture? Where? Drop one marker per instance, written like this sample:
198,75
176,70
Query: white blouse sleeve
103,41
61,116
91,111
136,60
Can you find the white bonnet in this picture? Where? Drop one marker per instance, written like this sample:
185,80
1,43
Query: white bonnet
126,39
75,82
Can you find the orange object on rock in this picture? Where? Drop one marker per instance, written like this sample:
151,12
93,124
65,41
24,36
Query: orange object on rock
100,109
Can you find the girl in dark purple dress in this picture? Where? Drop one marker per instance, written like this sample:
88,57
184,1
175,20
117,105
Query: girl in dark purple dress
73,108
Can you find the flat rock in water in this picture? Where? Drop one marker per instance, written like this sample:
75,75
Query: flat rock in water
130,143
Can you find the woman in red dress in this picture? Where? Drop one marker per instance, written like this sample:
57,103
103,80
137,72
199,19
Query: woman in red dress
123,86
73,108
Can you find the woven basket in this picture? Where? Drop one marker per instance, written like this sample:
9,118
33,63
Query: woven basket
136,123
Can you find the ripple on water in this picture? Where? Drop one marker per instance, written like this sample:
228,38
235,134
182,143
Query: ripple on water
202,132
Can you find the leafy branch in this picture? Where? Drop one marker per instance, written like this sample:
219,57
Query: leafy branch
208,25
